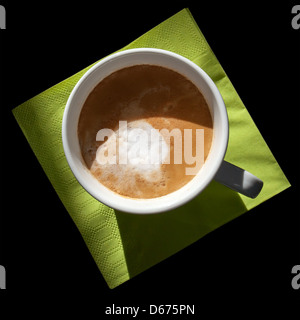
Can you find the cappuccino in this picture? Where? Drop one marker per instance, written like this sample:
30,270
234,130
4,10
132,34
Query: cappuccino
145,131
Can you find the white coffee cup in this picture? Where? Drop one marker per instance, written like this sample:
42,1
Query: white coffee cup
214,167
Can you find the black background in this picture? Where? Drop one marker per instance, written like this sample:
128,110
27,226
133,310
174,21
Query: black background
247,261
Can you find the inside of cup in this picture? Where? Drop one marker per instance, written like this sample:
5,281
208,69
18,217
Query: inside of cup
152,57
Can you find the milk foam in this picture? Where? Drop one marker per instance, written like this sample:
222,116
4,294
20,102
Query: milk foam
135,148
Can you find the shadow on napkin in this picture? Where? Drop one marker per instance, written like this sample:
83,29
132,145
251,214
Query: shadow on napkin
169,232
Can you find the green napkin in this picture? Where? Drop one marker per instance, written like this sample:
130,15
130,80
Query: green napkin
124,245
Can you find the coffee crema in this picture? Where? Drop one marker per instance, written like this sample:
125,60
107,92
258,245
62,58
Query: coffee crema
153,99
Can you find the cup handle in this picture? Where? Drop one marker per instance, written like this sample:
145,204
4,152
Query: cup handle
239,180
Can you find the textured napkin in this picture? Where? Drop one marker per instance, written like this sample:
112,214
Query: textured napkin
123,245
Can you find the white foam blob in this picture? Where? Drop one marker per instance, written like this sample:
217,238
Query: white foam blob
136,147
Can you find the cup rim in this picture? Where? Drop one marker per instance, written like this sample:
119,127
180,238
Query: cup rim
143,208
